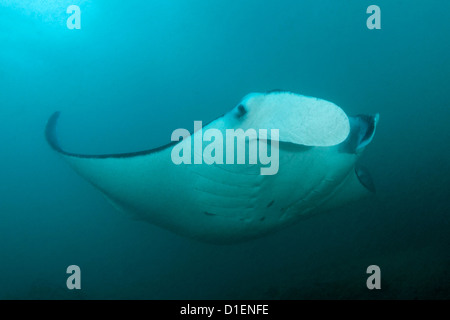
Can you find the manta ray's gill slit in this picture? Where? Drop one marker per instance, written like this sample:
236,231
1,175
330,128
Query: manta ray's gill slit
211,184
250,169
220,192
226,202
218,200
225,193
243,182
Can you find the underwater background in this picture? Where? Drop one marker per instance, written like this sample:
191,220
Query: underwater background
137,70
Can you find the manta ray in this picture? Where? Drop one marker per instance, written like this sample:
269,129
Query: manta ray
318,148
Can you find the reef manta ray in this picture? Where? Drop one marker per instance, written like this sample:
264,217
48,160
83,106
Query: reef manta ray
222,203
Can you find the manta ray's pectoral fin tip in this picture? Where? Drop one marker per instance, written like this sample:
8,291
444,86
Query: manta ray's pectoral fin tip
50,132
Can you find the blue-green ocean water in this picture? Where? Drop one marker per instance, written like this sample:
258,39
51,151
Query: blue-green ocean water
137,70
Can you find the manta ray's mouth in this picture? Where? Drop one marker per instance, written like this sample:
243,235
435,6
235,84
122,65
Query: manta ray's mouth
362,131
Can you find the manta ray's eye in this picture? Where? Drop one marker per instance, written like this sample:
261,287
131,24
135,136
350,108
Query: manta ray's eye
241,110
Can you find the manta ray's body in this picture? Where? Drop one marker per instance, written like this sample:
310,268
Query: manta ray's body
223,203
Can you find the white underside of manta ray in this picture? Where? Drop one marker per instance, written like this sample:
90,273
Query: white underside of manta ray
227,203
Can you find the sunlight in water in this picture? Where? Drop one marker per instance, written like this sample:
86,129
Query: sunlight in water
46,10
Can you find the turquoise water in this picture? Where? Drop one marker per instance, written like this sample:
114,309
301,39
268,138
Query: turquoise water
137,70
